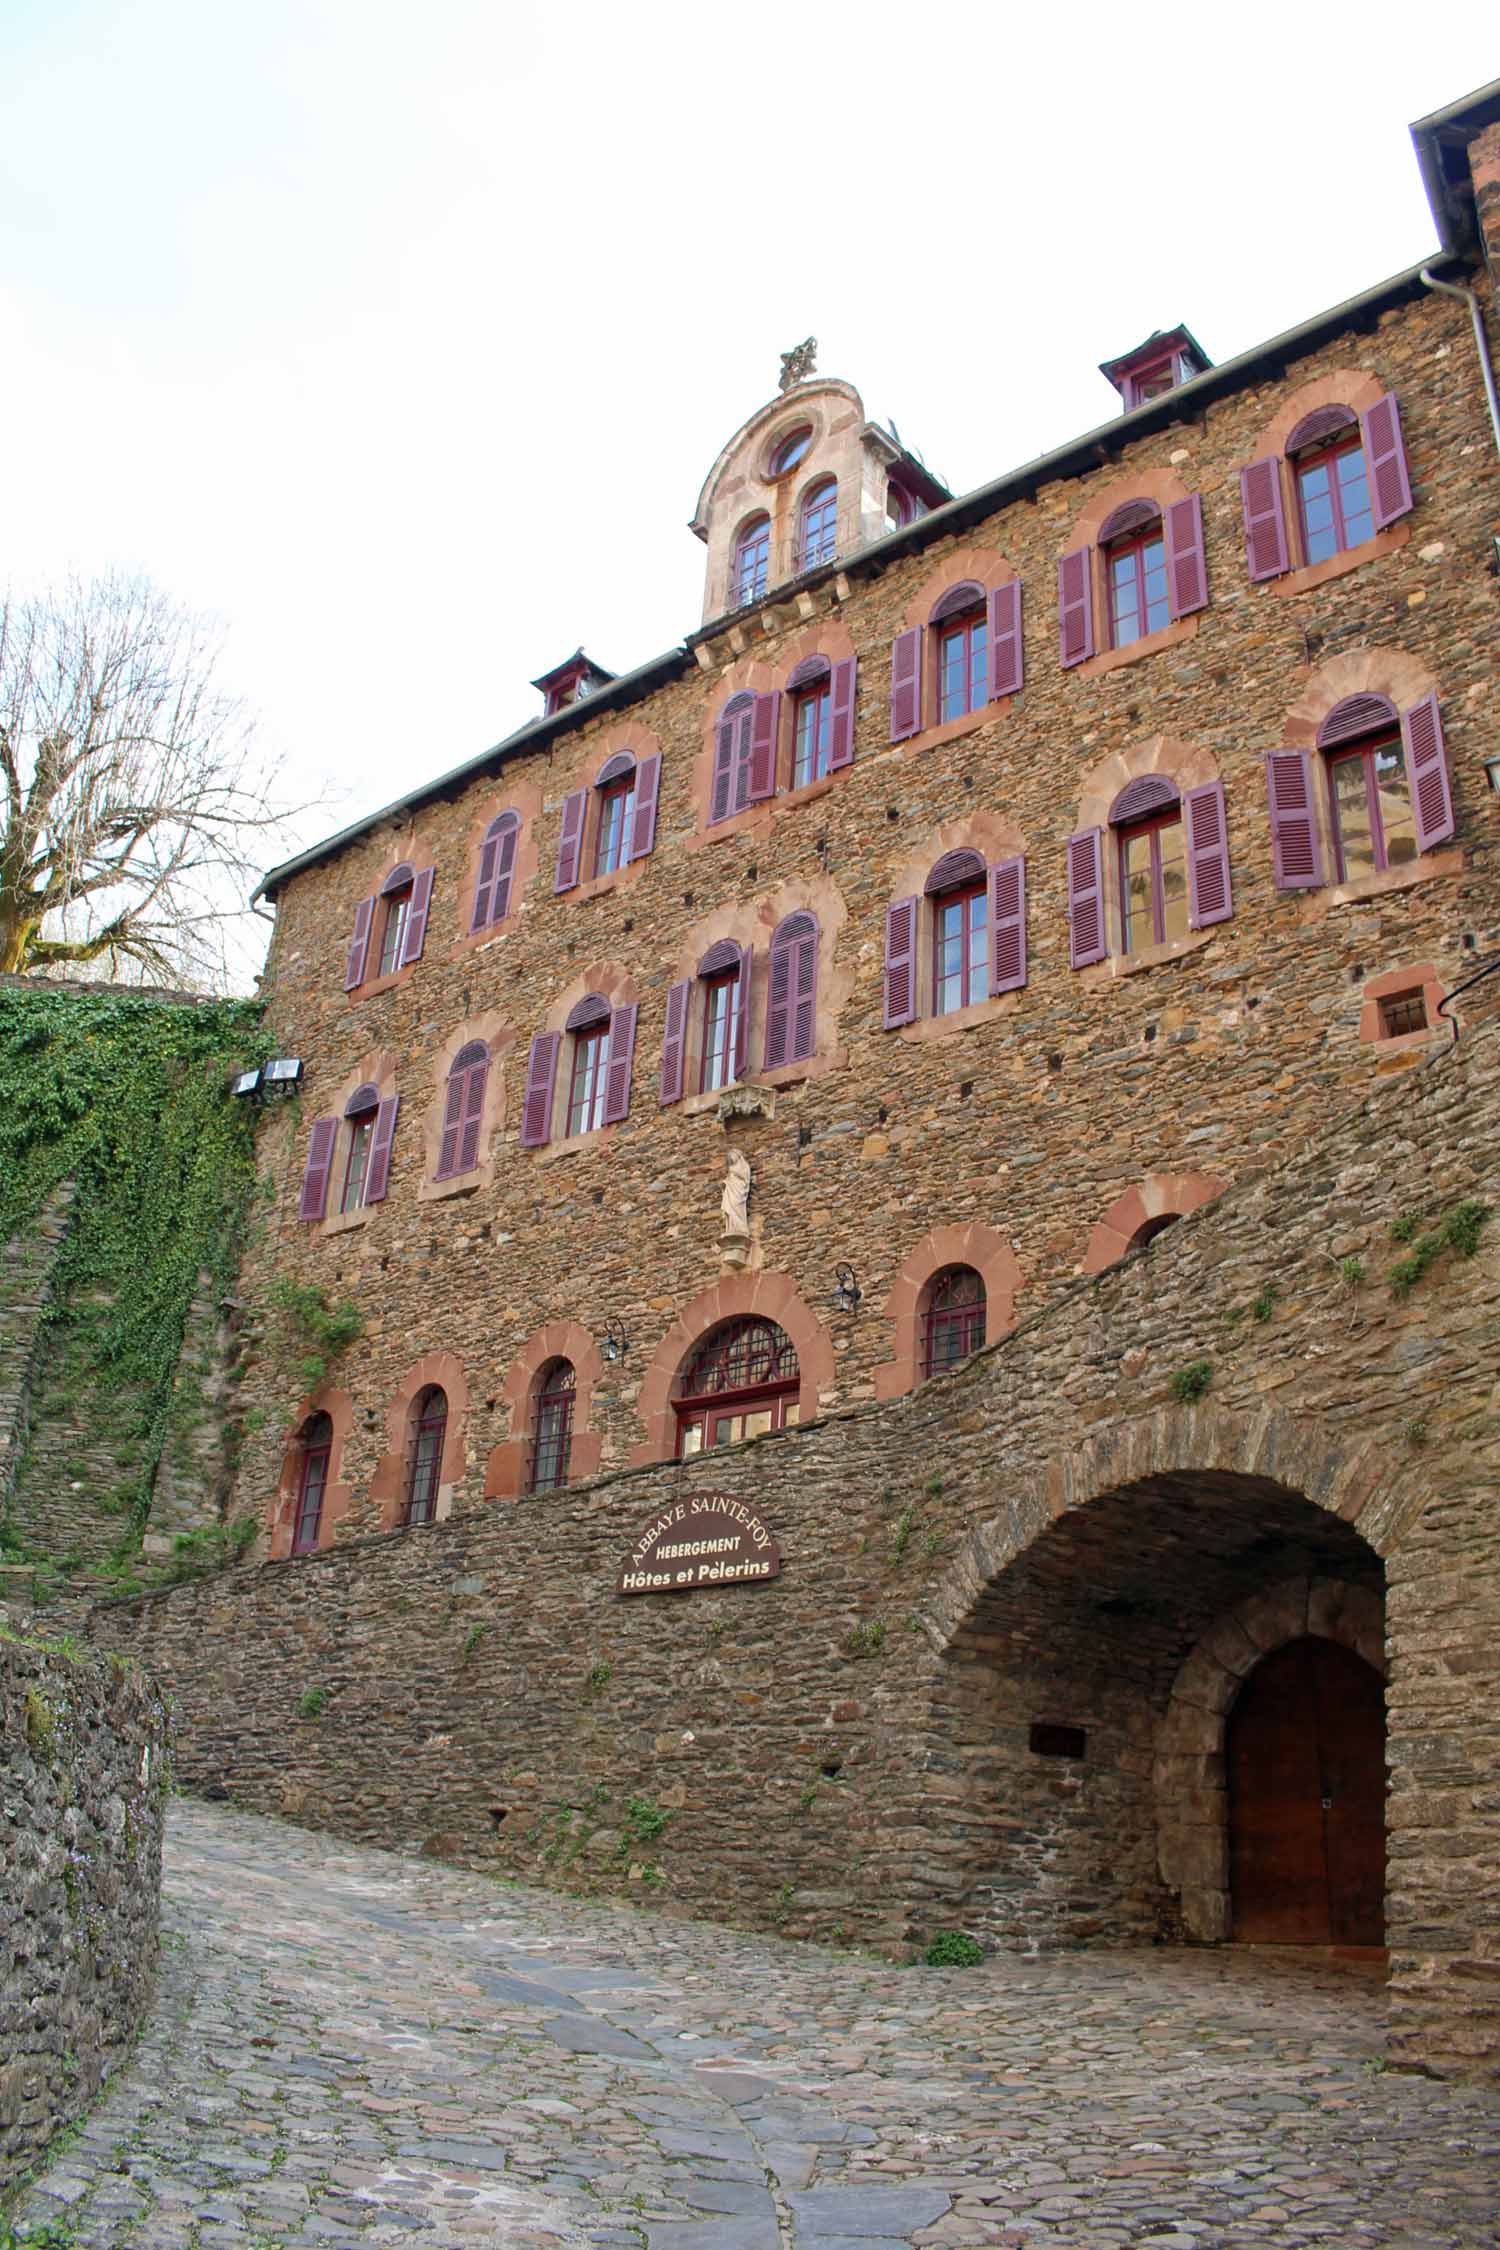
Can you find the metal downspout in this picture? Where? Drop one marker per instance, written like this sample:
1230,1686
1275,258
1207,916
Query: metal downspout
1481,343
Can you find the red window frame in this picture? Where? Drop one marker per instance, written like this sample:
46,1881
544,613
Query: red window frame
963,664
955,1318
818,539
429,1431
357,1161
901,506
1150,831
586,1085
720,993
1384,745
1342,524
752,561
612,839
393,930
746,1369
552,1427
317,1451
812,732
968,980
1139,605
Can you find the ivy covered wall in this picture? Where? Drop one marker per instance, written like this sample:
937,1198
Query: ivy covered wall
126,1177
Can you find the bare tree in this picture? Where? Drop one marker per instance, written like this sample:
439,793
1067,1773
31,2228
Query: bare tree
133,809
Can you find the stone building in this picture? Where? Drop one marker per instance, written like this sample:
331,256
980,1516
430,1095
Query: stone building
987,884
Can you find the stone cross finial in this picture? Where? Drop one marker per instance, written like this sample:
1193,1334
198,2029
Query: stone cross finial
799,363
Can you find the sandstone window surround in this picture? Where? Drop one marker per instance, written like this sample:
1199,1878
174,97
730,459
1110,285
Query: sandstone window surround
1142,1212
1361,808
390,929
958,943
349,1152
1331,487
549,1420
311,1497
465,1109
609,824
953,1318
579,1069
742,1381
1398,1013
762,1296
973,1249
1135,577
422,1467
429,1429
959,650
1148,871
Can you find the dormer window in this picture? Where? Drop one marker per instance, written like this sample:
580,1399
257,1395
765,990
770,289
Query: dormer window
570,683
1163,363
791,449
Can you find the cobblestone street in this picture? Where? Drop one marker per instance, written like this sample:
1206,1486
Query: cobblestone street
352,2047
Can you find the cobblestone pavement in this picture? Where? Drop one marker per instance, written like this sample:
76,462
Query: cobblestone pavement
353,2047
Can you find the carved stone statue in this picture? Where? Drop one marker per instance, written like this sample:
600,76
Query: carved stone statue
735,1205
799,363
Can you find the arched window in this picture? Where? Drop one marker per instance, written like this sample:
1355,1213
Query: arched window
901,506
789,450
429,1427
1134,547
615,790
818,524
1335,509
468,1076
588,1023
959,890
497,864
953,1318
961,638
1149,1229
1372,822
597,1048
742,1379
360,1111
752,561
724,980
1147,820
792,991
811,690
552,1426
317,1451
396,892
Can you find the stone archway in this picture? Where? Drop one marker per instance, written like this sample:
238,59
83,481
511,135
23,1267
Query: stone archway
1192,1798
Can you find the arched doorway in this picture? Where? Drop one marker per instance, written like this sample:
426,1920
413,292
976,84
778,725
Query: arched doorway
1305,1756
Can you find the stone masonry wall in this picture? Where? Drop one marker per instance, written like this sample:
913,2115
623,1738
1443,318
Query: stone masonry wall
1045,1535
83,1778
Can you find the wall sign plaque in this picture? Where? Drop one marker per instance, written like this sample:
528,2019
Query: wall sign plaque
703,1539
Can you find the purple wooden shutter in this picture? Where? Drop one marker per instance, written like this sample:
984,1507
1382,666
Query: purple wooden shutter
475,1079
1209,896
643,820
841,715
900,961
723,783
1075,605
415,936
536,1110
804,995
1007,925
453,1125
505,869
484,889
740,1029
906,684
1187,572
320,1149
1006,659
1294,828
779,1006
1385,458
1427,773
674,1045
1086,897
570,843
1265,521
380,1150
764,726
617,1064
359,944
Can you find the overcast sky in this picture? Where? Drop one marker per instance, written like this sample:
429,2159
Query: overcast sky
401,338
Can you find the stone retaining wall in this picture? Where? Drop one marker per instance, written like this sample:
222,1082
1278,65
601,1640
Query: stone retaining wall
83,1778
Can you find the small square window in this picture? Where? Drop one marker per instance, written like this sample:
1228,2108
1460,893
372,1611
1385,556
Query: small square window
1402,1013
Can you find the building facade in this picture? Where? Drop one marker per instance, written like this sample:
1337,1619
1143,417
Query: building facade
988,884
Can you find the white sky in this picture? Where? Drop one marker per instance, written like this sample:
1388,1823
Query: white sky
401,338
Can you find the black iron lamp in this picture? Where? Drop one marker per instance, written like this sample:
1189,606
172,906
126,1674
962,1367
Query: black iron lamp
614,1343
847,1292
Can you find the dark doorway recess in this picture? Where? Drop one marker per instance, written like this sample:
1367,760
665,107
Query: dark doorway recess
1306,1769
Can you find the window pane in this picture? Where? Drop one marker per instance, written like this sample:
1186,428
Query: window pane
1398,827
813,714
950,955
615,809
394,931
1172,848
978,914
1124,598
1351,816
359,1161
790,1413
1354,497
1319,531
1154,561
1135,869
952,655
979,663
718,1015
756,1422
692,1437
585,1109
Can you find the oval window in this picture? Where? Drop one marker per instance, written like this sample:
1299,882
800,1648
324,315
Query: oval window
790,450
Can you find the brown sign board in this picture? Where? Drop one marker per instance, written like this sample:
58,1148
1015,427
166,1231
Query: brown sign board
702,1539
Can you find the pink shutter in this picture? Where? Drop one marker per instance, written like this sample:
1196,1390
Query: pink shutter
1075,605
1265,520
570,843
1086,897
1006,659
1209,896
804,996
1187,571
415,935
1007,925
764,726
359,944
841,715
320,1149
536,1110
723,783
740,1031
744,726
453,1125
900,961
1294,829
618,1059
906,684
380,1150
484,889
674,1045
505,870
475,1080
779,1007
1385,458
1427,773
643,819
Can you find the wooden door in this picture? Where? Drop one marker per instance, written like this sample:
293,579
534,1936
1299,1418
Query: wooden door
1306,1769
